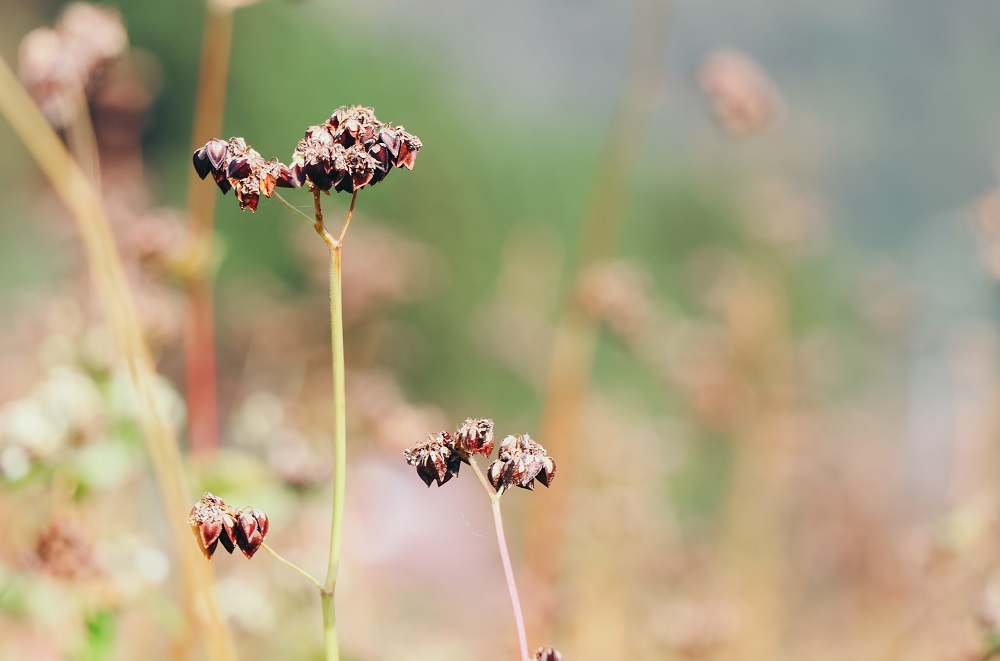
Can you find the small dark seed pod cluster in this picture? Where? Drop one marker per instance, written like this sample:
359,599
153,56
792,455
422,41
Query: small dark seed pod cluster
234,164
520,463
347,152
436,459
213,522
352,150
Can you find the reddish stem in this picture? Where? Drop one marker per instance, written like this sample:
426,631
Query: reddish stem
199,328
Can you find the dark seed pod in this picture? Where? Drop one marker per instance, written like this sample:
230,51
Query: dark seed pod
475,436
251,527
436,459
521,462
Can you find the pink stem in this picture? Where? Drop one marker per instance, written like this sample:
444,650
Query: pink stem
511,585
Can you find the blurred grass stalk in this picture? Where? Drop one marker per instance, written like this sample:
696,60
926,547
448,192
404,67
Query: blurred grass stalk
576,335
72,185
201,390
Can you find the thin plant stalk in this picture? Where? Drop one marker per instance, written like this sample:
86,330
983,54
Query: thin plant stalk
77,193
294,567
339,424
576,336
522,637
201,391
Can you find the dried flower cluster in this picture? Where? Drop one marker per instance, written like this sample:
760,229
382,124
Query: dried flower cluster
59,64
521,462
349,151
212,522
475,436
235,165
547,654
436,459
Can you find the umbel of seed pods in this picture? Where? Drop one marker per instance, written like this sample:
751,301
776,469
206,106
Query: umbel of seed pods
213,522
520,463
347,152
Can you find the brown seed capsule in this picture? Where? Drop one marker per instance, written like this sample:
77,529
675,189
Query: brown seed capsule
436,459
475,437
547,654
212,521
251,528
521,462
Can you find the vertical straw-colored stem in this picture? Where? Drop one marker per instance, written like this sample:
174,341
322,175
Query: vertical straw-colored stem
339,428
576,336
77,193
199,332
82,142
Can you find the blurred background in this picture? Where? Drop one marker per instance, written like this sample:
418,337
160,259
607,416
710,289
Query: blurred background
734,264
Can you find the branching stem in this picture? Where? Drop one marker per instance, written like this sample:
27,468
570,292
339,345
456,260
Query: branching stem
291,565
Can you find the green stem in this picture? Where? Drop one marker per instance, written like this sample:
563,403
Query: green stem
339,411
293,208
329,627
291,565
339,435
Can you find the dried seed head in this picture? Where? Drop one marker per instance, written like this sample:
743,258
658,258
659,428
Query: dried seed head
212,521
436,459
475,437
351,150
235,165
547,654
521,462
251,528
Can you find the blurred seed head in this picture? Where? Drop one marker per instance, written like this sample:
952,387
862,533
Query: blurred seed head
475,436
436,459
547,654
617,294
521,462
58,65
64,549
744,99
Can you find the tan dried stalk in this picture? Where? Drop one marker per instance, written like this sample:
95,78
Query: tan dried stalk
72,185
576,335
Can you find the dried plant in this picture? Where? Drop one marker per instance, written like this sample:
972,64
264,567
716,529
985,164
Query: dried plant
521,461
349,151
